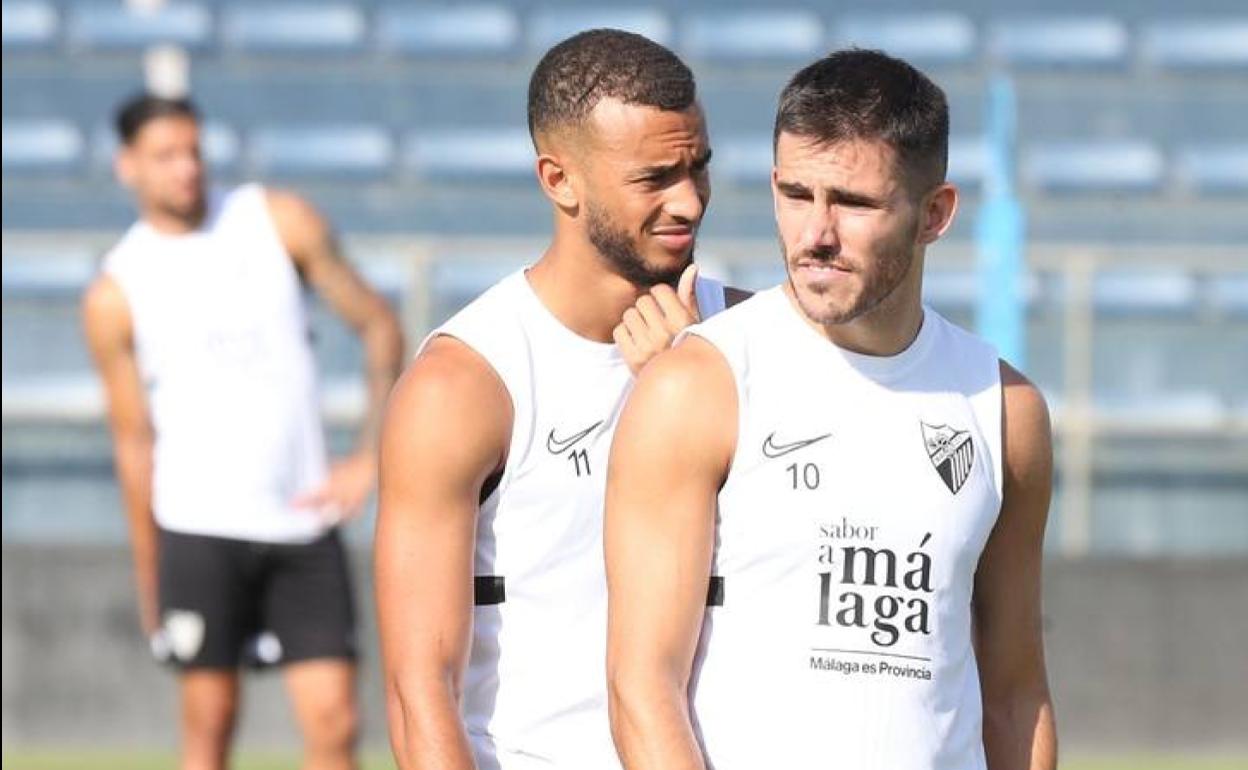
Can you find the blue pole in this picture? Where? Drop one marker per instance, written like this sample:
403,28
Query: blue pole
1000,312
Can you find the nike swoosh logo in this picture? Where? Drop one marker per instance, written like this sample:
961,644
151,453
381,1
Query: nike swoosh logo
774,450
560,445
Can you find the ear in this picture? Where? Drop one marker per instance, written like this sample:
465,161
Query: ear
555,177
123,166
939,206
775,194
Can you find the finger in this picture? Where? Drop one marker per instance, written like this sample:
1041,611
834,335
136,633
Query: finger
676,316
687,291
651,313
628,349
649,329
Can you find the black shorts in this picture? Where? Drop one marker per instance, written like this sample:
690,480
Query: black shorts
224,603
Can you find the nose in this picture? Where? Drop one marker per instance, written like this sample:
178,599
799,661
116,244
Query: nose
819,231
686,201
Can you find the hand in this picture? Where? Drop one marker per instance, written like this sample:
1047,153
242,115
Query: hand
649,327
344,492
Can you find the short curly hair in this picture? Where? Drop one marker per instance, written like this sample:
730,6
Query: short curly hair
599,64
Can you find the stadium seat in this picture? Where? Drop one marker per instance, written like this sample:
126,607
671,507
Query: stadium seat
548,26
1093,166
1229,294
968,162
1122,291
26,26
1059,42
1196,44
1160,410
742,159
117,27
958,290
471,154
469,30
358,152
751,35
41,147
294,28
455,282
923,38
1220,168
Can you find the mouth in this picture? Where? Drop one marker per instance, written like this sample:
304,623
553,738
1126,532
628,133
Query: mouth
676,238
821,269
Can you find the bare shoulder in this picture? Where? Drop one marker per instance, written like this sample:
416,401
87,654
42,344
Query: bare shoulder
299,224
451,387
684,402
1027,430
105,311
691,371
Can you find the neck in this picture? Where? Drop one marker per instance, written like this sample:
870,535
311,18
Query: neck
573,283
169,223
886,329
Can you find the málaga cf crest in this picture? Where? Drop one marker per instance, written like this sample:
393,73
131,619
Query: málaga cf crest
952,453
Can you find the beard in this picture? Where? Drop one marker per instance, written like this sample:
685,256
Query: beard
622,256
891,266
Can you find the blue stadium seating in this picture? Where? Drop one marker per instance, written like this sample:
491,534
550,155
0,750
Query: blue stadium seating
549,25
1221,168
1229,294
1059,42
1102,166
470,30
1183,44
304,28
123,27
924,38
504,154
1132,292
751,35
352,151
28,25
41,147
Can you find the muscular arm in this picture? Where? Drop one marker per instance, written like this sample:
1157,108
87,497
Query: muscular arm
109,334
670,455
1019,731
316,254
446,431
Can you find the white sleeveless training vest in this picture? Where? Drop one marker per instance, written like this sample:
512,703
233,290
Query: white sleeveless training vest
222,342
535,690
849,529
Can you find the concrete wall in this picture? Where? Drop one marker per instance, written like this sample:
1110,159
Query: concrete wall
1142,655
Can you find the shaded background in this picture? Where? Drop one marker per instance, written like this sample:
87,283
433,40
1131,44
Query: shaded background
1102,150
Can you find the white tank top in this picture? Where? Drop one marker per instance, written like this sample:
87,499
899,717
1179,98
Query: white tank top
535,689
222,342
861,493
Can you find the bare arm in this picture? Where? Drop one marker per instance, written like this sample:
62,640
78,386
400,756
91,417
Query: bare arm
670,455
446,432
109,333
1019,730
315,251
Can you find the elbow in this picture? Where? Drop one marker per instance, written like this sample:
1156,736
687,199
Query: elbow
635,699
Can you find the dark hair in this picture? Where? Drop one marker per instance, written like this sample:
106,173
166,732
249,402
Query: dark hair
604,63
859,94
138,111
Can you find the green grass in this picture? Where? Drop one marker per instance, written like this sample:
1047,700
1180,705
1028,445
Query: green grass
153,760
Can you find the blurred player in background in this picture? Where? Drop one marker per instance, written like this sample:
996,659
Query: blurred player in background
857,487
491,593
198,329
